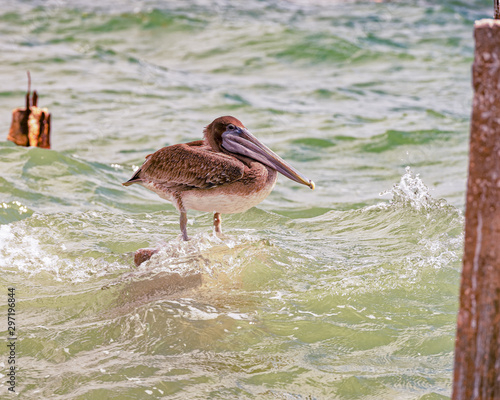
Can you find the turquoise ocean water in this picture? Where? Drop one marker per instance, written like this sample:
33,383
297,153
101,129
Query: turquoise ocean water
349,291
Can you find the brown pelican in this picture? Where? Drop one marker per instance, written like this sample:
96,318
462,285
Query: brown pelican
227,172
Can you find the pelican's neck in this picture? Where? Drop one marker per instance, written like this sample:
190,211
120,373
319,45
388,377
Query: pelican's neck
209,139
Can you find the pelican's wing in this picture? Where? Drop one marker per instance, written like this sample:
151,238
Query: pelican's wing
191,164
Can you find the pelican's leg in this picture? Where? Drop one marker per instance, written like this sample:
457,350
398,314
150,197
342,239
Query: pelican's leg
217,224
183,223
184,218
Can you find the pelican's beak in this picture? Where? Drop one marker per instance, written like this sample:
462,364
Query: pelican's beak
241,141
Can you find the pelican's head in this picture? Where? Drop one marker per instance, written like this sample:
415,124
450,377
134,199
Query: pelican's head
229,134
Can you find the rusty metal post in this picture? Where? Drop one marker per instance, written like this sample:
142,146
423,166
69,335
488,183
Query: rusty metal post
477,350
30,125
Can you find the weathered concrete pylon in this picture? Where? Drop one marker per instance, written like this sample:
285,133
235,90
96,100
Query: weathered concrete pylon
477,351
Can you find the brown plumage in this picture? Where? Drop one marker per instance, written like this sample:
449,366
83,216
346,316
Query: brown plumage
228,171
192,164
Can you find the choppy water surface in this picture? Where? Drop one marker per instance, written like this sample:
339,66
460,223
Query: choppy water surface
347,292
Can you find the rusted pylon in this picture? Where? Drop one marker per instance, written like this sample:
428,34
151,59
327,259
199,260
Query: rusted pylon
477,350
30,125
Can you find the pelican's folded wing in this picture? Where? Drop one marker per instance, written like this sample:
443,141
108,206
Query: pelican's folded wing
191,164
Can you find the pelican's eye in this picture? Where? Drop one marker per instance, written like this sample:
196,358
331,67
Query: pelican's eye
230,127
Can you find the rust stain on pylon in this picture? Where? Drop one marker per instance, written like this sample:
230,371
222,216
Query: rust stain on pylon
30,124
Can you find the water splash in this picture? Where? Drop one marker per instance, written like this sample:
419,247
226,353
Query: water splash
437,248
215,258
23,252
412,192
79,247
437,253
